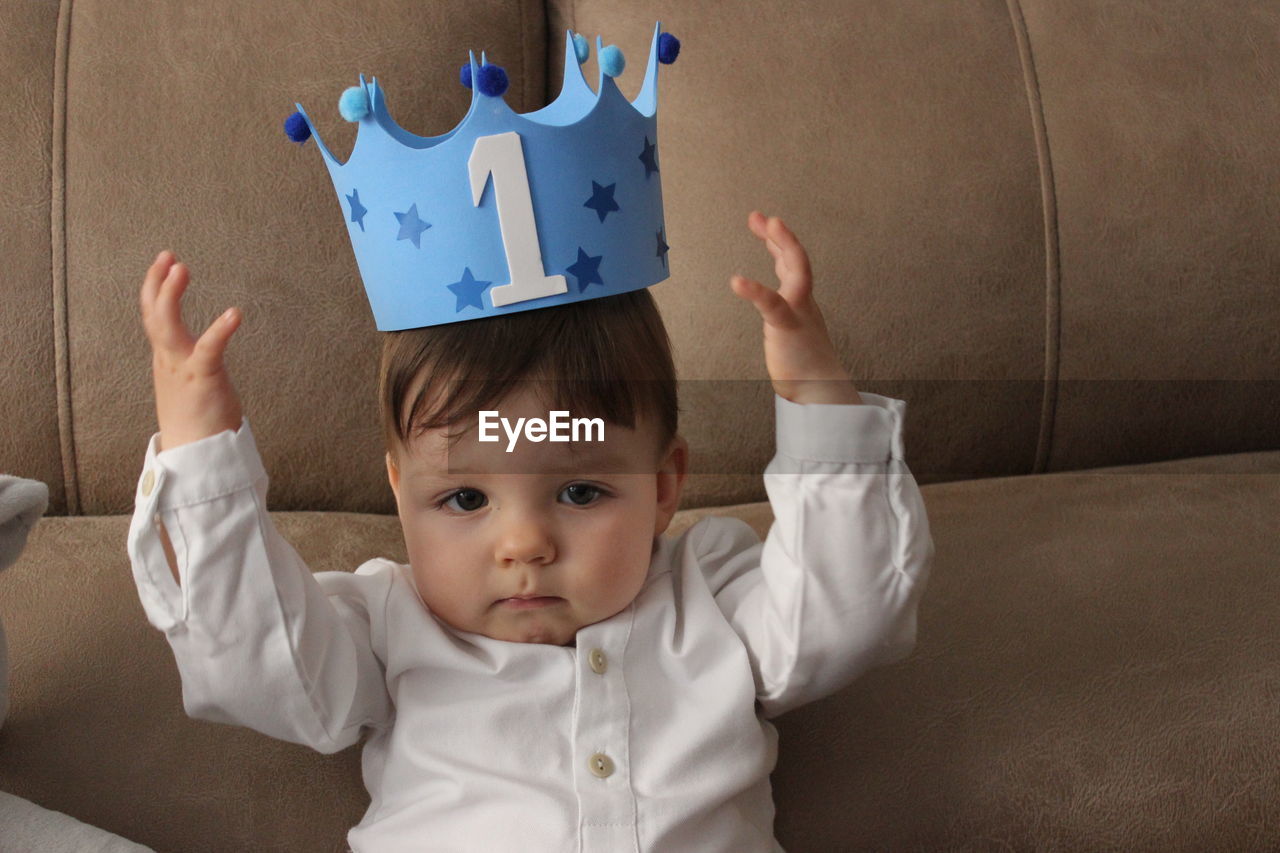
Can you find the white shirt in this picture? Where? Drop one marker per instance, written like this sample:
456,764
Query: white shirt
651,734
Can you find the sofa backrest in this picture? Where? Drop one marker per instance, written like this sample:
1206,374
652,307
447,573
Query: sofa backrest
1052,230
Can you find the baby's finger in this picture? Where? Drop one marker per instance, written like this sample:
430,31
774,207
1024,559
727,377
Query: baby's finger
154,321
209,349
151,282
792,265
166,315
758,223
773,309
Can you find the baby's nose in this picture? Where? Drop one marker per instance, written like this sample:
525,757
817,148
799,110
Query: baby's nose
525,540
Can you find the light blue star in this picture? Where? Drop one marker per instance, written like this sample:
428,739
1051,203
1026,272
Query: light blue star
358,210
586,270
468,290
601,200
411,227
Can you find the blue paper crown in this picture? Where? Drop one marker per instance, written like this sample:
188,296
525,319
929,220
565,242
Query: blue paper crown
506,212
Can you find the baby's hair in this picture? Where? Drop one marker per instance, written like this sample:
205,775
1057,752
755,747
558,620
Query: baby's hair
608,357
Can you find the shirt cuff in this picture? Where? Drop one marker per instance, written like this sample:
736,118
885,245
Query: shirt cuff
828,432
199,471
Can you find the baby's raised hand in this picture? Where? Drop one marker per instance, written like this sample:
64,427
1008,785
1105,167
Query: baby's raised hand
194,397
798,352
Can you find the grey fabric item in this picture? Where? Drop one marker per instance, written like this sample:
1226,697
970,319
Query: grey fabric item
28,828
24,826
22,502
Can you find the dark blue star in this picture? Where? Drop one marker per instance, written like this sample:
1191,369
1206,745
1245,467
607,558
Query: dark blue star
650,162
468,290
358,210
586,270
662,247
601,200
411,227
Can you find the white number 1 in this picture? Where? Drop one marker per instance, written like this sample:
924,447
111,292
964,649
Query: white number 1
502,155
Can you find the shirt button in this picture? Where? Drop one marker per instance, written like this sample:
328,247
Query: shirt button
600,764
598,661
148,482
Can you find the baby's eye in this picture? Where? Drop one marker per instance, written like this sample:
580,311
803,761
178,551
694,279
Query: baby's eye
469,500
582,494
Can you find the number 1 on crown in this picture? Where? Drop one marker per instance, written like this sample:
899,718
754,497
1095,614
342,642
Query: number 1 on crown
502,155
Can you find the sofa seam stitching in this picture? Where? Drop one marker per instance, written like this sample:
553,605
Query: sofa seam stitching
58,260
1053,270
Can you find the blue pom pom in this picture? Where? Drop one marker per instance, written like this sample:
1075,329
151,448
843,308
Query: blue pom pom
668,48
493,80
612,61
464,74
581,47
354,103
296,128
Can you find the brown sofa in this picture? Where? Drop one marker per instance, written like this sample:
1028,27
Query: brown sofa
1052,228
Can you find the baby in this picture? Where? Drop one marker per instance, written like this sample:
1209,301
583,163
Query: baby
549,672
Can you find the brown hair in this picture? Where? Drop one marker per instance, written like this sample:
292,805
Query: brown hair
614,350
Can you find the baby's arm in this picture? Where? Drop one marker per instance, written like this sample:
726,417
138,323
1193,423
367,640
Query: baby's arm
834,588
259,641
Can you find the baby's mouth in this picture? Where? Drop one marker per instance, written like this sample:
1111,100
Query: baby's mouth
527,603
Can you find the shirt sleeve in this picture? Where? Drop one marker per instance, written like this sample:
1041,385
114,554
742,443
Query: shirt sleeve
259,640
833,589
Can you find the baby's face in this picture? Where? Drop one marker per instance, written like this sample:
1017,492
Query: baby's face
573,522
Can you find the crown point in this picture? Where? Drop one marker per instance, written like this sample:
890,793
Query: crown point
668,48
354,103
581,48
612,61
296,128
493,80
464,74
